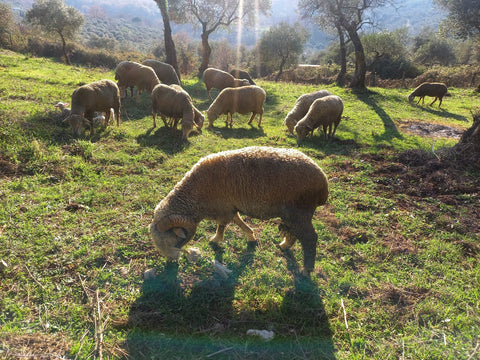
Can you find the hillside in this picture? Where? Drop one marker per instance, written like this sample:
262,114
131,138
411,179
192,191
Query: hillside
139,23
396,267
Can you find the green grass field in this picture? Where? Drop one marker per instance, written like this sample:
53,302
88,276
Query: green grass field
397,268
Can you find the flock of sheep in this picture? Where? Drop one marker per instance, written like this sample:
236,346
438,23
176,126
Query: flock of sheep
237,94
222,186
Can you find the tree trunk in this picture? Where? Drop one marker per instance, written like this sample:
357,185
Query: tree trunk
343,59
206,52
280,71
64,48
467,150
171,53
358,81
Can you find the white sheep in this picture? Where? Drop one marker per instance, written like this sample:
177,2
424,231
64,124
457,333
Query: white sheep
130,74
219,79
326,111
436,90
170,102
198,119
301,107
63,108
102,95
242,100
261,182
165,72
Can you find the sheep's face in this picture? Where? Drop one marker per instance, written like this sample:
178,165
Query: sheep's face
77,122
212,116
199,120
411,97
169,242
290,123
301,131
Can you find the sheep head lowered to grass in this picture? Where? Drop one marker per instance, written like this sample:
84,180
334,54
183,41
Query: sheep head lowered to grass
261,182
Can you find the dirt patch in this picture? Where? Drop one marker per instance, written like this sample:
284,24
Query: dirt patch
431,130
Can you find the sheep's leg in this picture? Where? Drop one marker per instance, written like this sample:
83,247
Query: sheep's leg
433,101
245,228
440,103
325,131
164,118
219,234
260,120
251,118
154,119
308,237
107,117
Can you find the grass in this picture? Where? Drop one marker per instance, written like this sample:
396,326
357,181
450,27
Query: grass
396,270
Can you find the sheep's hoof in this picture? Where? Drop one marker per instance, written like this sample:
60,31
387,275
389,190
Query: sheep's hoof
216,247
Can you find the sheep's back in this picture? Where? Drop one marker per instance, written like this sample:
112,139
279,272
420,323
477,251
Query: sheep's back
323,111
165,72
97,96
261,182
218,79
243,100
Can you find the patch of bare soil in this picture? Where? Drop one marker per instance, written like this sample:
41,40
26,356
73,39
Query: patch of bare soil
33,346
431,130
421,175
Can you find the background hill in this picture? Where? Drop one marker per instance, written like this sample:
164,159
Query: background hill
138,24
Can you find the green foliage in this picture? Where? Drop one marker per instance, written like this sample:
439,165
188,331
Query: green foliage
396,266
430,49
280,47
463,17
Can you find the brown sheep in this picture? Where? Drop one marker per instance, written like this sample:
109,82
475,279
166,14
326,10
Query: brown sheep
436,90
165,72
242,100
130,74
102,96
261,182
219,79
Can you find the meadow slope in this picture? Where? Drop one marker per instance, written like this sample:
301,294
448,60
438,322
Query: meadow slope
397,268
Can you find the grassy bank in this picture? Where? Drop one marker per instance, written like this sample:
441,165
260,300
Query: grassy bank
397,268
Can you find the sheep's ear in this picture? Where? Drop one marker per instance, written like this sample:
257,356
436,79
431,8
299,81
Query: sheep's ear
180,232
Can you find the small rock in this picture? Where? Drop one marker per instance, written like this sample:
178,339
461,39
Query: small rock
149,274
193,254
222,270
263,334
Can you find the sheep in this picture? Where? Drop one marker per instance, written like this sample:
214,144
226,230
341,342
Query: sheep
261,182
198,119
436,90
130,74
102,95
218,79
63,108
242,74
301,107
165,72
241,100
175,104
326,111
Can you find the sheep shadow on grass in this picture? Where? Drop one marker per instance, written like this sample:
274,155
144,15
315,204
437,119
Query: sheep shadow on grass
167,139
177,317
227,132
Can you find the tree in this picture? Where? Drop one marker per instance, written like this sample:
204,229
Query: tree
170,51
463,19
429,49
54,17
7,24
215,14
347,15
281,46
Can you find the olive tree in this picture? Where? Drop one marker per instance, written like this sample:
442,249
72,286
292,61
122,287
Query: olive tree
213,15
281,45
54,17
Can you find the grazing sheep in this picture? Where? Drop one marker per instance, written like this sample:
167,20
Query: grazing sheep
198,119
130,74
261,182
242,100
301,107
326,111
102,95
242,74
218,79
170,102
165,72
63,108
436,90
